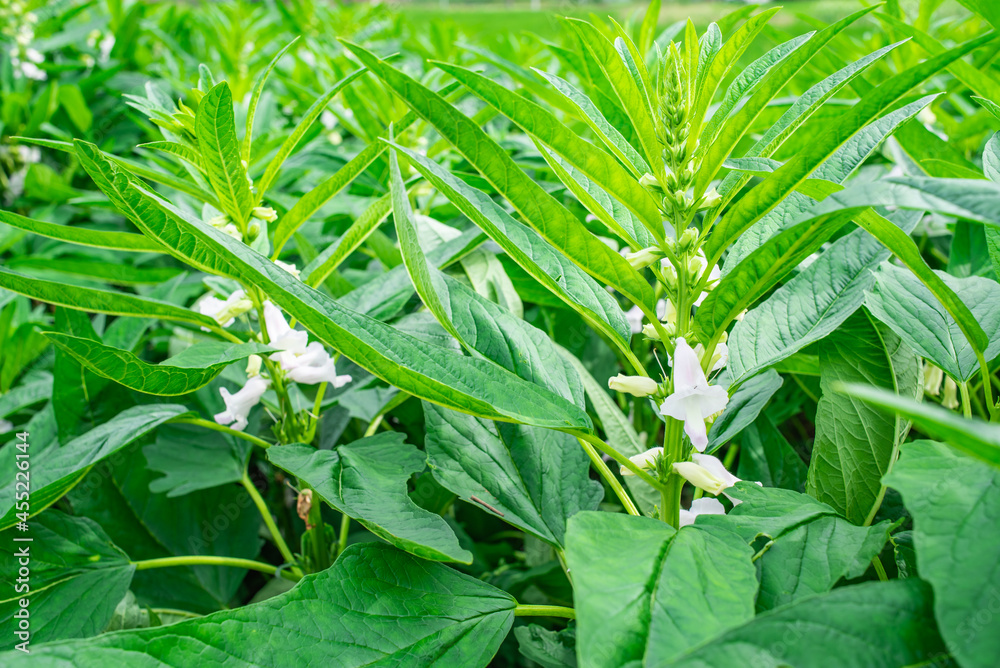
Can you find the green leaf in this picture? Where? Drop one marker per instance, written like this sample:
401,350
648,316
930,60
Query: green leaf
595,164
551,219
531,478
955,500
183,373
667,592
122,241
804,547
300,130
529,250
856,443
548,649
366,480
192,459
374,605
77,578
876,625
57,470
766,457
745,404
99,301
220,151
431,373
763,198
972,436
812,304
903,302
363,226
258,89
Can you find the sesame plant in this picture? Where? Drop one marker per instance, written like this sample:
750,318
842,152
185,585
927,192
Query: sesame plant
332,340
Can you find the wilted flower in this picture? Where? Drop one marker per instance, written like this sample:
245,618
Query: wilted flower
693,398
238,405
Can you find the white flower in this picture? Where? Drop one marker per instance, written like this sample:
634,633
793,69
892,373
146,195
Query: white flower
932,379
707,473
634,316
643,258
238,405
290,268
5,426
225,312
644,460
637,386
706,505
253,365
32,71
311,367
34,56
693,398
950,398
328,120
265,213
280,334
710,199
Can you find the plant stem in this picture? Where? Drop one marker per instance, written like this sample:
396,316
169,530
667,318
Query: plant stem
205,560
225,430
176,613
880,569
345,526
984,369
966,402
609,477
618,457
544,611
279,541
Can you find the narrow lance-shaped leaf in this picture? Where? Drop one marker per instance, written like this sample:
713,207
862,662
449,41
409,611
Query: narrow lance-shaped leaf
552,220
436,374
258,89
215,127
123,241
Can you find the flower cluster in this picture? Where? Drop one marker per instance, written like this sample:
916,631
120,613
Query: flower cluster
19,26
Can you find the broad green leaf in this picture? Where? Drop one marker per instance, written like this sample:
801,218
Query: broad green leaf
763,198
123,241
293,139
374,605
766,457
856,443
812,304
529,250
647,593
531,478
366,480
99,301
220,151
258,90
192,459
431,373
803,546
183,373
903,302
876,625
77,578
548,649
954,500
57,470
745,404
972,436
26,394
552,220
764,268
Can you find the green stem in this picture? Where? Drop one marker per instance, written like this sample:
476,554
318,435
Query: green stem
544,611
618,457
279,541
345,526
176,613
225,430
205,560
984,369
314,417
879,569
963,388
609,477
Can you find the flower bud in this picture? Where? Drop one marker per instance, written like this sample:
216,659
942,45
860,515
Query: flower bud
253,231
253,365
700,477
637,386
932,379
265,213
950,398
643,258
644,460
710,199
647,180
688,239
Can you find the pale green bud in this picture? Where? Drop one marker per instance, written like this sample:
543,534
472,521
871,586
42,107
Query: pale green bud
637,386
643,258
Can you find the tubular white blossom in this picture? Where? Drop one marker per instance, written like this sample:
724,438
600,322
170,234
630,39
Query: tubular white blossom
280,334
706,505
238,405
693,398
225,312
637,386
644,460
313,366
